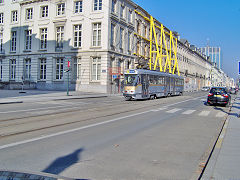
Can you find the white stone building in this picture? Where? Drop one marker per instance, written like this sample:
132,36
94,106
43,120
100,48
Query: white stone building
39,37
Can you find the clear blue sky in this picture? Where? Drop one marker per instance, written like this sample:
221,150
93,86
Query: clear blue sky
199,20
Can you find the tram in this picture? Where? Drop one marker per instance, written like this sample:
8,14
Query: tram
147,84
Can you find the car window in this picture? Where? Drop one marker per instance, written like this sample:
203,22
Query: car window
218,90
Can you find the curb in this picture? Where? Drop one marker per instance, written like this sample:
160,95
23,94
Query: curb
11,102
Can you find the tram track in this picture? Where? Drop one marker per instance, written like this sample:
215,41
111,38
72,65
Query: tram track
59,119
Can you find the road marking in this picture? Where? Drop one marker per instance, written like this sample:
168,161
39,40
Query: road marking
203,99
220,114
190,111
204,113
163,108
173,110
159,109
81,128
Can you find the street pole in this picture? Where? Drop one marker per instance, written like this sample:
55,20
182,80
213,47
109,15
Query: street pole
68,70
68,83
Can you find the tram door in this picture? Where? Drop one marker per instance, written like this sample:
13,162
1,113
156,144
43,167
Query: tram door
173,86
145,85
167,87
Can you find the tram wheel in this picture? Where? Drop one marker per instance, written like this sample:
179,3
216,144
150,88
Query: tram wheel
152,97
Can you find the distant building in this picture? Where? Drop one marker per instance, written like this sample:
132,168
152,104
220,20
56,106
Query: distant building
214,53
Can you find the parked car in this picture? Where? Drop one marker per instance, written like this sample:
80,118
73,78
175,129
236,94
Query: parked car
219,95
205,88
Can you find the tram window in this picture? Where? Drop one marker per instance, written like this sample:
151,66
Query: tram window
172,82
156,79
151,80
162,80
130,79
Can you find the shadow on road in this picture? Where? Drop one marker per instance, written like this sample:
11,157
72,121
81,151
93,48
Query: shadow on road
62,163
229,112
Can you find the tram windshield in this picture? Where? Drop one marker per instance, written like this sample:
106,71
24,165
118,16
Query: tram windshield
131,79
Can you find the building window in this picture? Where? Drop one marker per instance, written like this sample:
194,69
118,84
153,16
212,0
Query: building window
44,11
114,4
129,42
97,5
43,38
43,69
29,13
59,69
130,16
27,69
14,16
76,73
13,46
78,6
1,69
77,36
121,40
12,69
96,34
60,9
112,34
1,1
28,39
96,68
1,18
1,42
59,36
138,28
138,48
122,9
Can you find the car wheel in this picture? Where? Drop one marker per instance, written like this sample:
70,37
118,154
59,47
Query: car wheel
127,98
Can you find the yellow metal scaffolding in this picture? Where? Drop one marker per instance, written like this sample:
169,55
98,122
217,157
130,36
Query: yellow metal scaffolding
163,54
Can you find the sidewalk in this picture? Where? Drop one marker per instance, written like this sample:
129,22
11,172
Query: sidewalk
224,163
15,96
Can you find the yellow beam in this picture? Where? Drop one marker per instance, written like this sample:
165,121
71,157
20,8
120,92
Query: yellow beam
168,51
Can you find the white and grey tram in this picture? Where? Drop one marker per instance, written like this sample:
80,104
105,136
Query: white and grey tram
147,84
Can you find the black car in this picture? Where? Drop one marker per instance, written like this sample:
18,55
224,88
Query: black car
219,95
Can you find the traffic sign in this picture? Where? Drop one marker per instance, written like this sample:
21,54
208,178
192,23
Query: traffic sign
68,64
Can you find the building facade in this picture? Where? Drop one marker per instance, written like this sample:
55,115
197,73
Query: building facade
87,43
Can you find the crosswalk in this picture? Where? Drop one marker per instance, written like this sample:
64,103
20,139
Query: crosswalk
202,113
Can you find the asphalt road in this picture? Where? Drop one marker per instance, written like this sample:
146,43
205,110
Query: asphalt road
109,138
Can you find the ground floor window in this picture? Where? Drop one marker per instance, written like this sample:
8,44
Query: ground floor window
59,69
12,70
27,69
96,69
43,69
